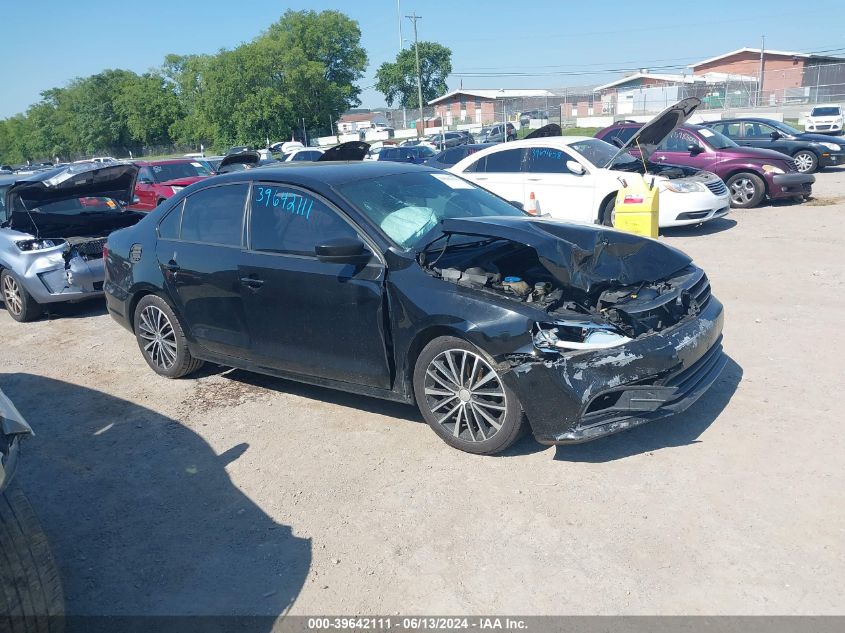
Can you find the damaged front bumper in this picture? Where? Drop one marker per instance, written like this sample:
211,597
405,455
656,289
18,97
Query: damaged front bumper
51,277
584,396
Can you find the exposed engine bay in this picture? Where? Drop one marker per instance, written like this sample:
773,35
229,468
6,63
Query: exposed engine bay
514,271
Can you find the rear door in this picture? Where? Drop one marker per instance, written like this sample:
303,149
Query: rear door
756,134
305,316
559,191
500,172
200,267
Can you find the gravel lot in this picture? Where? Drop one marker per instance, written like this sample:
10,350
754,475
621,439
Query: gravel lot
236,493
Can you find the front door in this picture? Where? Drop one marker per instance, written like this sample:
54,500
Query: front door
756,134
145,190
675,150
201,265
557,190
325,320
500,172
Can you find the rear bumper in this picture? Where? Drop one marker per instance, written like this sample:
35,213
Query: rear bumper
582,397
117,303
792,184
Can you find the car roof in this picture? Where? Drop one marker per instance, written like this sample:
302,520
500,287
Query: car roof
329,173
166,161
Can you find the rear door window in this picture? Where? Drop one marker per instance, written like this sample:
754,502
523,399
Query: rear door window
168,228
215,215
508,161
292,221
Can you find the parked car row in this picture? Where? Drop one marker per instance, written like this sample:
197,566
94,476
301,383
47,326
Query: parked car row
453,299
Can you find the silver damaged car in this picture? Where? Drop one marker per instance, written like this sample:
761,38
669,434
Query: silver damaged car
53,226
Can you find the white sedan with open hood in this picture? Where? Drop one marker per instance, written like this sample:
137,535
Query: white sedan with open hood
576,178
53,226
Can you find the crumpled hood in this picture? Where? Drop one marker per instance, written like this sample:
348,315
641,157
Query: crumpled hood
580,256
114,180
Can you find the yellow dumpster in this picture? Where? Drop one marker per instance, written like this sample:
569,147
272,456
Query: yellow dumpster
637,206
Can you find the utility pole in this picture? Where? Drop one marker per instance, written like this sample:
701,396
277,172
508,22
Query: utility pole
413,18
760,81
401,47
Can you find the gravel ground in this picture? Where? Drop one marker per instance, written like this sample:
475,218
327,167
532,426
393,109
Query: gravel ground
236,493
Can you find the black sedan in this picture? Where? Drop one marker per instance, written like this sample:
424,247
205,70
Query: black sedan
453,155
410,284
811,152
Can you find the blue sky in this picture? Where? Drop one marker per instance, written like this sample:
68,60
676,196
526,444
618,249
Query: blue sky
538,43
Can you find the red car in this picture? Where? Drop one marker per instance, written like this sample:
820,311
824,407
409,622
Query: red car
160,179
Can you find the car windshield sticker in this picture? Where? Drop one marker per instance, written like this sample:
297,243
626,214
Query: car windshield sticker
197,164
283,200
705,132
452,181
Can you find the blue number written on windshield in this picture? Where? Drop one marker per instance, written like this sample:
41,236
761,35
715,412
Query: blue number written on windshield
283,200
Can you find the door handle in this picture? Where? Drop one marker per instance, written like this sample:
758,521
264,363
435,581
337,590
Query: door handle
251,282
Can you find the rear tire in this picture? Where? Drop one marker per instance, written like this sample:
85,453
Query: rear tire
161,340
19,303
464,399
806,161
31,597
747,190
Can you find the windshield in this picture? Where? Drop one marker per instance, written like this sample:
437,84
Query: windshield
174,171
715,139
407,206
783,127
826,111
75,206
600,153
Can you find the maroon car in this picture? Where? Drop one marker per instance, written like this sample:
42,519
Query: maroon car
751,173
160,179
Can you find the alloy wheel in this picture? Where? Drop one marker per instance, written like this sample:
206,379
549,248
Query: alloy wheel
804,162
158,336
743,190
12,295
464,393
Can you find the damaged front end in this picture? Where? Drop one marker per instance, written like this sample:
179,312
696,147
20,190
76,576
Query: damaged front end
625,329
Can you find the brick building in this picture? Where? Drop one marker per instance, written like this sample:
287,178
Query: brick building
486,106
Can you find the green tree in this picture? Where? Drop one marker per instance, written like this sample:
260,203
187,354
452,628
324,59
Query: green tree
397,81
149,107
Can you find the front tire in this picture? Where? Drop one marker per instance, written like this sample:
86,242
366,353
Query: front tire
464,399
608,212
20,305
806,161
161,339
747,190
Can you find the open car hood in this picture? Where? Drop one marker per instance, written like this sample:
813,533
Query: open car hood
649,136
352,150
114,180
581,257
552,129
250,158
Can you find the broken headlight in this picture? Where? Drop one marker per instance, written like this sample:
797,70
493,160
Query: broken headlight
577,335
37,245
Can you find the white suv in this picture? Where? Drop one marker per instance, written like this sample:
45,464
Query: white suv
825,118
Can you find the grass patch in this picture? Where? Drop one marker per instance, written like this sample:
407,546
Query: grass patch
794,123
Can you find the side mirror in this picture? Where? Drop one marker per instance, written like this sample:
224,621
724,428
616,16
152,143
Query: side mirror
694,150
775,135
343,250
575,167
